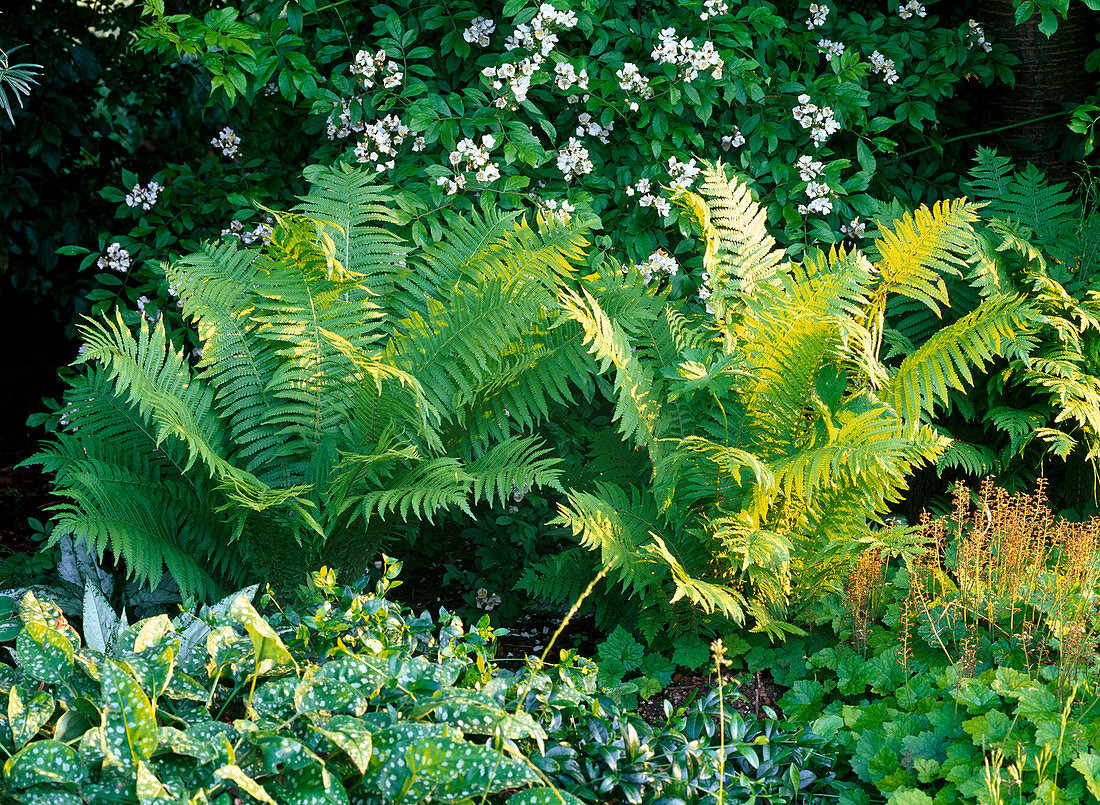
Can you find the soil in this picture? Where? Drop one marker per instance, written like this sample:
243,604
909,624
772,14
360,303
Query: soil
24,493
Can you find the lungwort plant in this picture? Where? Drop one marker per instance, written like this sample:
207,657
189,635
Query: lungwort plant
762,442
347,389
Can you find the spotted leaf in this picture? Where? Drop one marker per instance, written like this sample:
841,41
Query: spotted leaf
268,648
129,726
543,796
27,714
45,654
44,762
235,774
351,735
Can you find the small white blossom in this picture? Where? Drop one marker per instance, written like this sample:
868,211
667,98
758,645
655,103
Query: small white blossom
819,12
912,9
683,173
683,53
381,139
819,120
370,67
559,210
227,142
573,159
116,259
979,36
589,126
479,30
660,262
855,229
144,197
830,48
734,140
634,82
713,8
885,66
486,601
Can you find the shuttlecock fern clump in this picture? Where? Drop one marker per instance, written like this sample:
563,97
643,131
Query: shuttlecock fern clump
349,387
762,441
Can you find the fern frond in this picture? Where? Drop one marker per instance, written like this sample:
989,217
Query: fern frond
521,462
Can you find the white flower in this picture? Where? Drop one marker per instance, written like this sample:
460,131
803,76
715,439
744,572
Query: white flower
116,259
683,173
573,159
854,229
634,82
660,262
735,140
911,9
691,60
712,8
979,34
819,120
559,210
809,168
144,197
490,173
479,30
370,66
381,139
818,14
830,48
589,126
881,64
227,142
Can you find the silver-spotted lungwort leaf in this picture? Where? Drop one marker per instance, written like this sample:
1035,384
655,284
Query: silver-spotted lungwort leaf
270,653
453,770
543,796
235,774
351,735
44,654
99,620
27,713
44,762
150,790
129,730
331,695
312,785
366,674
474,712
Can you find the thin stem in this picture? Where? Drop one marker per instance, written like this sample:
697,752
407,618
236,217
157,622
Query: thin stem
981,133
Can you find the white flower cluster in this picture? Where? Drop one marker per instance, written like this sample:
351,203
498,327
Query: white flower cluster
261,232
691,60
977,32
573,160
116,259
830,48
819,120
372,67
383,138
226,142
735,140
468,156
713,8
819,12
634,82
660,262
142,301
854,229
518,78
809,170
683,173
558,210
540,34
486,601
341,126
175,294
588,125
649,199
881,64
479,31
912,9
144,197
567,77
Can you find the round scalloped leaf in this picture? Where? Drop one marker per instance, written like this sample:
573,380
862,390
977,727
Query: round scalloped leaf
26,717
351,735
543,796
44,654
129,724
44,762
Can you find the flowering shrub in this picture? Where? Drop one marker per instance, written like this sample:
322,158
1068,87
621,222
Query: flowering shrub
592,109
